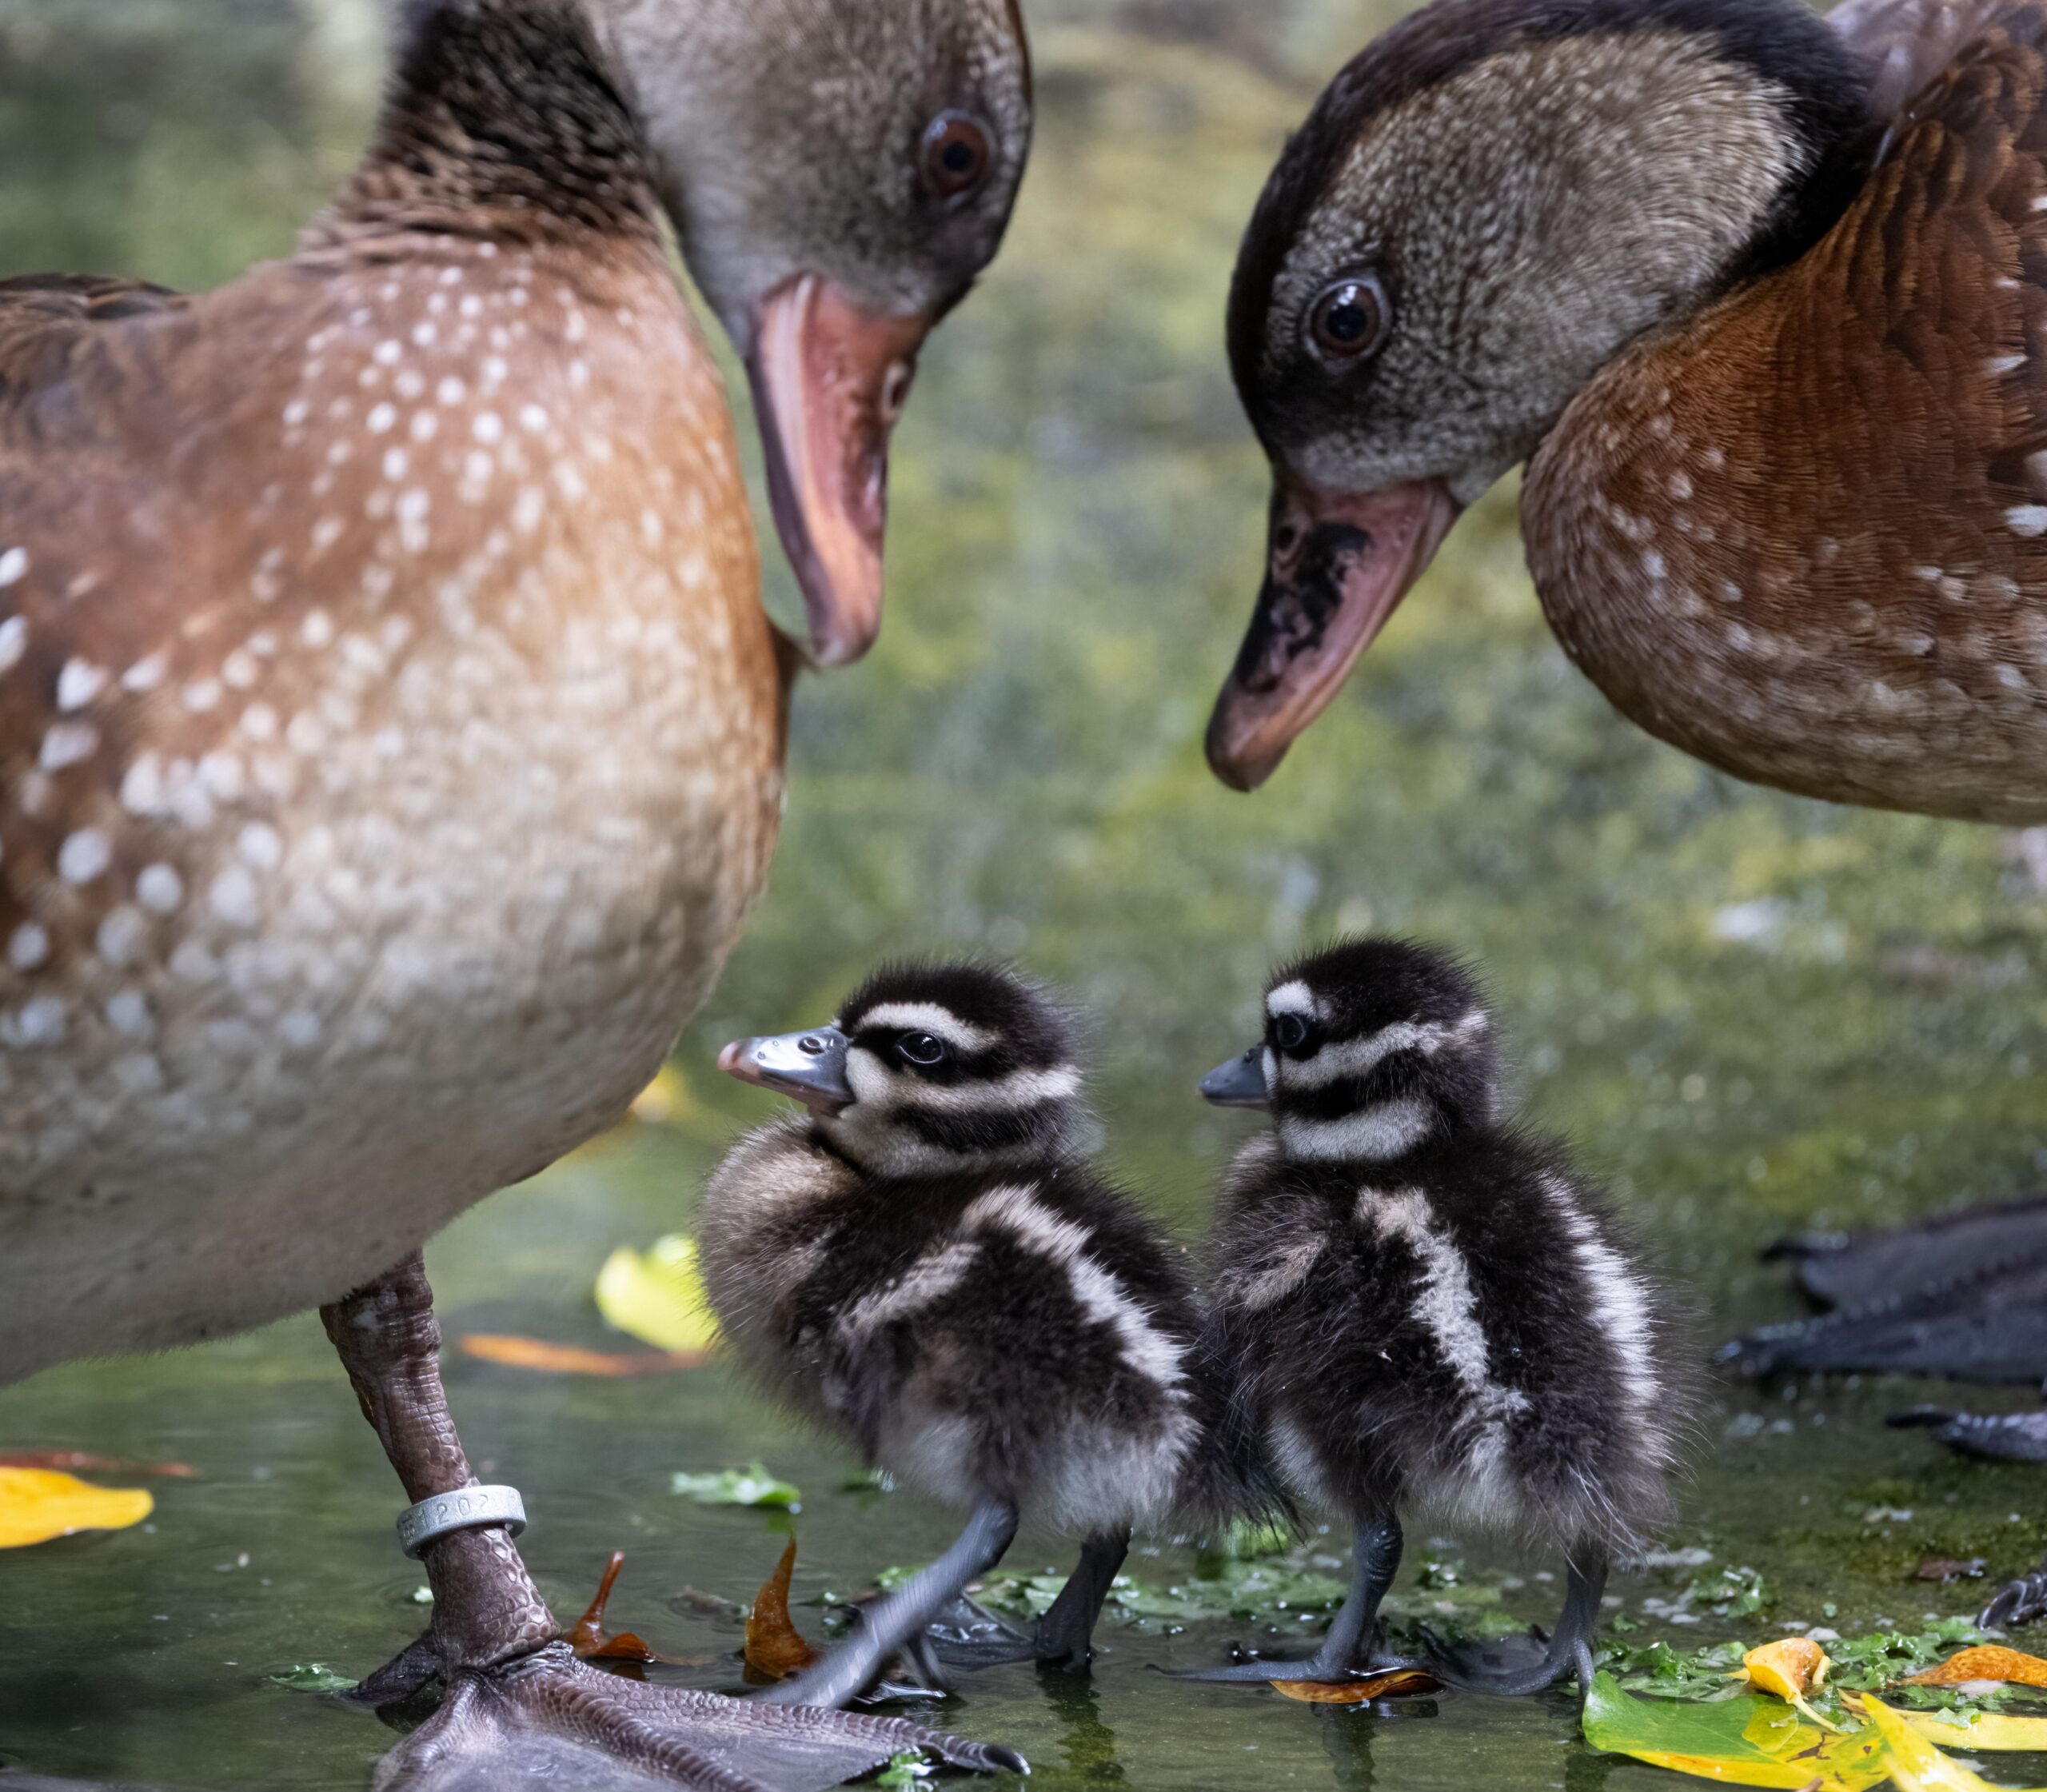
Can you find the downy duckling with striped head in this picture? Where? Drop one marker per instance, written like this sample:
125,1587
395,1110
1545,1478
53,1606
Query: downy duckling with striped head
1427,1307
927,1263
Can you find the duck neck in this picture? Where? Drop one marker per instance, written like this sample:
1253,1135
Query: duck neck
503,121
1371,1137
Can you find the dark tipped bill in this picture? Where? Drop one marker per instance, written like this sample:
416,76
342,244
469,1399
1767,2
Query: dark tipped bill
1338,563
809,1067
1238,1083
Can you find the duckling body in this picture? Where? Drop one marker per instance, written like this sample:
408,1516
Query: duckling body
928,1265
1757,296
1426,1308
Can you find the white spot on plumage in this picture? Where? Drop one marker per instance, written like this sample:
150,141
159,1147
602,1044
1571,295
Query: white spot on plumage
28,946
84,856
488,428
40,1022
160,889
2027,520
67,743
233,896
78,684
122,932
14,567
127,1014
13,641
382,421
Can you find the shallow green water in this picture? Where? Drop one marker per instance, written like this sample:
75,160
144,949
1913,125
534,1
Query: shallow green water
1752,1011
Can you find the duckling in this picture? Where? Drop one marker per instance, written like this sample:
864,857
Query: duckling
1428,1307
927,1263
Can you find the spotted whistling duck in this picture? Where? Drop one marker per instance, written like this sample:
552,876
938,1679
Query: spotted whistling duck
1426,1306
1757,296
391,734
928,1264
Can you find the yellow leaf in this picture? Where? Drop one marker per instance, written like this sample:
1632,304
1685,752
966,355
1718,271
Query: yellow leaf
656,1295
1405,1683
37,1504
1992,1731
664,1099
1915,1764
1790,1668
1983,1662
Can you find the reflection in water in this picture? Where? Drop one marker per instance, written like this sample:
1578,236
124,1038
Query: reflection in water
1087,1746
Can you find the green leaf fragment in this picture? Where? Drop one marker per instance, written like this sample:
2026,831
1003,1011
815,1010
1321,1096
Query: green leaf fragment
909,1768
315,1677
752,1485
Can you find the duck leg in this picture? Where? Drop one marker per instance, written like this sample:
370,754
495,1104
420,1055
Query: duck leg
1345,1650
520,1709
904,1616
966,1636
1570,1650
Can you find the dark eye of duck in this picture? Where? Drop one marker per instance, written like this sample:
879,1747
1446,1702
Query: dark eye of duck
956,156
921,1049
1348,321
1290,1032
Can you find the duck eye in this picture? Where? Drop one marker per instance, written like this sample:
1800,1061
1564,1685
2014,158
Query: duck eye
1290,1032
956,156
920,1049
1348,321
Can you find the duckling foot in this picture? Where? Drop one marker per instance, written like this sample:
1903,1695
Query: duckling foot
1491,1666
1345,1652
965,1635
519,1710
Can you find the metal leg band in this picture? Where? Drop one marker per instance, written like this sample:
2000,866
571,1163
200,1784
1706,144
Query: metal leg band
466,1509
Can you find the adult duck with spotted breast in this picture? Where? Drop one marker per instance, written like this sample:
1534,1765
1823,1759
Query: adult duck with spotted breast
1759,298
391,735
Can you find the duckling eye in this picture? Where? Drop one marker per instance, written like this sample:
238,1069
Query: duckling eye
1290,1032
1349,320
921,1048
956,156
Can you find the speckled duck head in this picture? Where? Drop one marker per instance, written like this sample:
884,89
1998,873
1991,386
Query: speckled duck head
1372,1049
839,172
1485,208
930,1070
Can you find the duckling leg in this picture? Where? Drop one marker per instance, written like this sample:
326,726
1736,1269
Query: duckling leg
520,1709
1570,1650
905,1614
1066,1633
1345,1650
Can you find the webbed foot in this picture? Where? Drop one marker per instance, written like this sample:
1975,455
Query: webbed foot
2023,1602
549,1720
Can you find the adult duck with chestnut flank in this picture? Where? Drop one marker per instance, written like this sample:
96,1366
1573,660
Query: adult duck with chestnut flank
390,733
1422,1305
1758,296
928,1265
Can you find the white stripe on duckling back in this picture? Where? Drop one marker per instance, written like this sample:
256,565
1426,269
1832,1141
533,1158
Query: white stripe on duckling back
1618,1304
1099,1295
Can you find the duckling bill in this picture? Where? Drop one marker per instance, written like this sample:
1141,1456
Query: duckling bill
1428,1307
927,1263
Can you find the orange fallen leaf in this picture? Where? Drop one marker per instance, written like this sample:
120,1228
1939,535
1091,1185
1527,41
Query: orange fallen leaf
1407,1682
572,1359
83,1462
1986,1661
774,1650
1790,1668
586,1636
38,1504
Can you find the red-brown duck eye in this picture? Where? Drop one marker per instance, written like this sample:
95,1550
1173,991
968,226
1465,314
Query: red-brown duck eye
1348,321
956,156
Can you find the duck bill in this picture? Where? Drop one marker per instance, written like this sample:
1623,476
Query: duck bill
1337,565
808,1067
829,380
1239,1084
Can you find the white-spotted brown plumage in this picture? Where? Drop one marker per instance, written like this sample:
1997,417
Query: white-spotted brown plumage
928,1266
390,732
1423,1308
1759,298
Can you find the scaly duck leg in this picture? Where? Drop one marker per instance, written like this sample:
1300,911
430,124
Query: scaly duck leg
519,1708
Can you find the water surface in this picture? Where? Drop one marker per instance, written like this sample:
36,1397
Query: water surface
1753,1013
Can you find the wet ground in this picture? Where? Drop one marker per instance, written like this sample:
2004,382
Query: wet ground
1753,1013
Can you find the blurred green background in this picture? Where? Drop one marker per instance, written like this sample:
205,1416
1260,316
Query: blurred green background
1753,1013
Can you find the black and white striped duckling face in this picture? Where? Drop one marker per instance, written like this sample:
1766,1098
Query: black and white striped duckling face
930,1070
1372,1048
